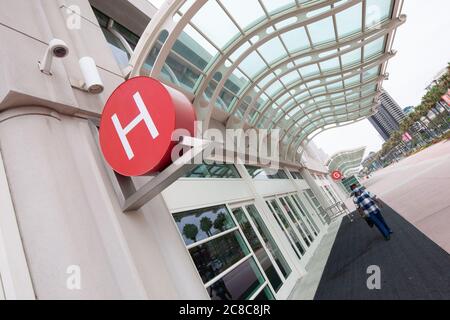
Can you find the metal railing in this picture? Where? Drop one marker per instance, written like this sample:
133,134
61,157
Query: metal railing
335,211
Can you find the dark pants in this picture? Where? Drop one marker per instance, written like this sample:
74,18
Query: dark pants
379,222
369,221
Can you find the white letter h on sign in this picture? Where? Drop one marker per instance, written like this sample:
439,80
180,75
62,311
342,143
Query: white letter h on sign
143,116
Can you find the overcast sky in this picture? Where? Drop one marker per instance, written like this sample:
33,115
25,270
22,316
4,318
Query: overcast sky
423,49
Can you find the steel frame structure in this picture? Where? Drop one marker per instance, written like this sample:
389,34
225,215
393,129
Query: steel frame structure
308,104
347,162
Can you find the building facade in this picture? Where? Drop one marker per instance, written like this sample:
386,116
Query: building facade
348,163
223,231
388,118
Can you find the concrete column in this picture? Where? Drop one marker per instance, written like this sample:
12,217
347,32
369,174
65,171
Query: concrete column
72,228
57,233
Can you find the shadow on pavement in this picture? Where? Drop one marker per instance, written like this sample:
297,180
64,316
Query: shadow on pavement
412,266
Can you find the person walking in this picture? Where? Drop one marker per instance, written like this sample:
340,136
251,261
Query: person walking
369,207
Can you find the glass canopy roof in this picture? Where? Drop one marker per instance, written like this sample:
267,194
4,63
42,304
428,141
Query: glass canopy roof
301,66
347,162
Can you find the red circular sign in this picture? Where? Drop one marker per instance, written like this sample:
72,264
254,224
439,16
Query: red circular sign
137,125
336,175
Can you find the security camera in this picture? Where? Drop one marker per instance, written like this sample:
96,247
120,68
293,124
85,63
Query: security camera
92,81
56,48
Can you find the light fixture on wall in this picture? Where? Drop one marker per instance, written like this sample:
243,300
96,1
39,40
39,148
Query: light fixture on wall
56,48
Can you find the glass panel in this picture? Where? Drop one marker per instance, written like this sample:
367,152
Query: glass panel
328,65
301,219
286,226
118,50
192,50
272,50
309,71
239,284
297,175
349,21
305,213
192,45
371,73
201,224
269,241
322,31
274,88
295,221
377,11
224,29
278,5
351,57
266,294
296,40
214,257
351,81
315,204
258,249
374,48
223,171
266,173
252,65
245,13
180,73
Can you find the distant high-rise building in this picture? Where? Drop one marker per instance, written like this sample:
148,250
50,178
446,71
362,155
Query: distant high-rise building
387,119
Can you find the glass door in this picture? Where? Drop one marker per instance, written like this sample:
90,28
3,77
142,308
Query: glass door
268,256
315,204
287,228
292,211
332,194
222,255
304,212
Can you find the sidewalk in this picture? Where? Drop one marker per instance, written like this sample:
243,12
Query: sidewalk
418,188
412,266
306,287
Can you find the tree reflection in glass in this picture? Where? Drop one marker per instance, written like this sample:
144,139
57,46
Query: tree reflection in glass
208,222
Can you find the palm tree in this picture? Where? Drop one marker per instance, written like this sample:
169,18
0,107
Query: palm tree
417,118
190,231
206,225
220,222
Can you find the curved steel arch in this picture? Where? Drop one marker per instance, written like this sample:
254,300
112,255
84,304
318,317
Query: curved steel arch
296,153
164,20
303,131
295,105
341,156
351,73
346,160
330,112
294,147
352,44
355,89
264,37
337,125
